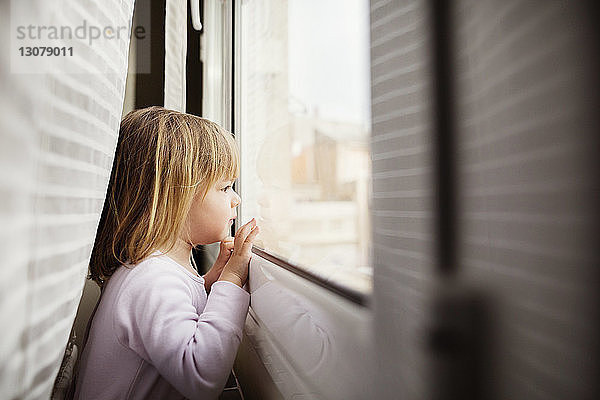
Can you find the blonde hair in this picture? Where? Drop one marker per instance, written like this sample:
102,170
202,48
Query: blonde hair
164,159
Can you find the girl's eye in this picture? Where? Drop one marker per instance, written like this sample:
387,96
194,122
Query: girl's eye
226,188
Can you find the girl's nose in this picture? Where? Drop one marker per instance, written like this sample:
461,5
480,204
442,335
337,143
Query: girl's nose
236,200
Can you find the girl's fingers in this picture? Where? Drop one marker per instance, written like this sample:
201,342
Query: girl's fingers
228,246
242,233
250,238
227,243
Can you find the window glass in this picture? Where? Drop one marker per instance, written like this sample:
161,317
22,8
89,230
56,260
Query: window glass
304,126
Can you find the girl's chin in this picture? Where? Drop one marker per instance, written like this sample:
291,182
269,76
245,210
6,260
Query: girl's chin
215,239
210,239
225,234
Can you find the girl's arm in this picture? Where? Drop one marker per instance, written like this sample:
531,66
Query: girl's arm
156,318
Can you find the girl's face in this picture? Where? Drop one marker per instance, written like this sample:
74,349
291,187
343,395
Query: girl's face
210,221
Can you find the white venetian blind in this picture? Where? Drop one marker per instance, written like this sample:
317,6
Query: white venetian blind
175,54
525,74
58,132
528,175
402,203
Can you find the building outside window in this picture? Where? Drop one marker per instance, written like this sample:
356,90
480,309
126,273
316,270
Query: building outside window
303,102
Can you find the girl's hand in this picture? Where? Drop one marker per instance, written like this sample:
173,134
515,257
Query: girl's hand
236,268
225,250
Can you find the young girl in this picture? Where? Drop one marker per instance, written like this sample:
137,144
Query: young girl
157,333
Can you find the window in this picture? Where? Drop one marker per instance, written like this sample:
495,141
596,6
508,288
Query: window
302,106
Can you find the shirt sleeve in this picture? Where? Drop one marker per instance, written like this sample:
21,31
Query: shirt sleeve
156,318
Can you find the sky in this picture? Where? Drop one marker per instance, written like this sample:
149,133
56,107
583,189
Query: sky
329,58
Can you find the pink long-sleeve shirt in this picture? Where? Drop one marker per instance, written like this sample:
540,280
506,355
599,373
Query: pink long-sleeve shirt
157,335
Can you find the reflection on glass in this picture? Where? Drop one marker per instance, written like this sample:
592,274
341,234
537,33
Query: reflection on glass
304,133
326,344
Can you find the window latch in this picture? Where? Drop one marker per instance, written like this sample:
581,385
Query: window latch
195,13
